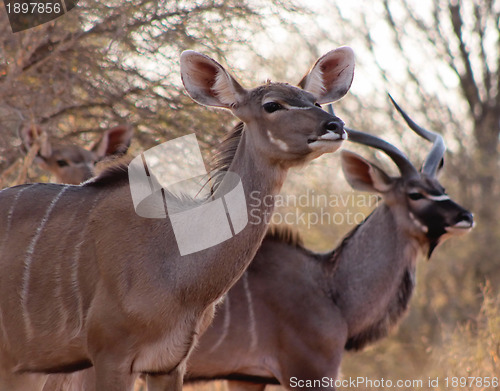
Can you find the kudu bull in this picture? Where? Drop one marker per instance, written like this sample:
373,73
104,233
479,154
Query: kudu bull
294,312
72,164
87,282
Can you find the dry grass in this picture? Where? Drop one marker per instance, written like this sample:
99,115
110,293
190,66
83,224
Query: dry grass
473,350
466,355
214,386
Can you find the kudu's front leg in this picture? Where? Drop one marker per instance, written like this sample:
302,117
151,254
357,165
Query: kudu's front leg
313,364
112,377
167,382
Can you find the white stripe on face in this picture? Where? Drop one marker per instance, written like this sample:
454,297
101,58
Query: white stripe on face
279,143
291,107
298,108
286,105
442,197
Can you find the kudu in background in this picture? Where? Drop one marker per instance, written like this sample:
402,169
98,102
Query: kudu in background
294,311
72,164
87,282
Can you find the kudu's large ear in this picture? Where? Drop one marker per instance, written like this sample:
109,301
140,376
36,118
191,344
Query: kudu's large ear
363,175
28,136
331,77
115,141
208,83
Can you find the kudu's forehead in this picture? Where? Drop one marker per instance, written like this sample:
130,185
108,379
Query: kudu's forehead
283,93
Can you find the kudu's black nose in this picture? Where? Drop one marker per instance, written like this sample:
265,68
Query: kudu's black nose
466,217
335,126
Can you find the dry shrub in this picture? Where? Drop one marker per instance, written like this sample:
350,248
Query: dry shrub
472,350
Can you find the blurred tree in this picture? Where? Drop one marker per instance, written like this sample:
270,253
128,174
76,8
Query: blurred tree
112,62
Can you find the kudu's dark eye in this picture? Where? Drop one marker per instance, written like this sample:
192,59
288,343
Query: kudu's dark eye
317,104
62,163
415,196
271,107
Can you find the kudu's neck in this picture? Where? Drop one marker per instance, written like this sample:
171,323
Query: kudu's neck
222,265
374,278
258,175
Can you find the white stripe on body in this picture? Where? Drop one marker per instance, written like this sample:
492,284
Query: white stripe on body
63,313
225,325
251,314
74,270
9,216
8,228
29,259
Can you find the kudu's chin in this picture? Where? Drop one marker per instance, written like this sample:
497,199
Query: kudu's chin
322,147
327,143
460,228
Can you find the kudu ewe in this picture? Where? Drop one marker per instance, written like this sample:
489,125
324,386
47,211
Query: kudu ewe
72,164
87,282
294,312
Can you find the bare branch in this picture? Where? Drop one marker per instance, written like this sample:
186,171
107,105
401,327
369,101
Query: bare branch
480,27
469,85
